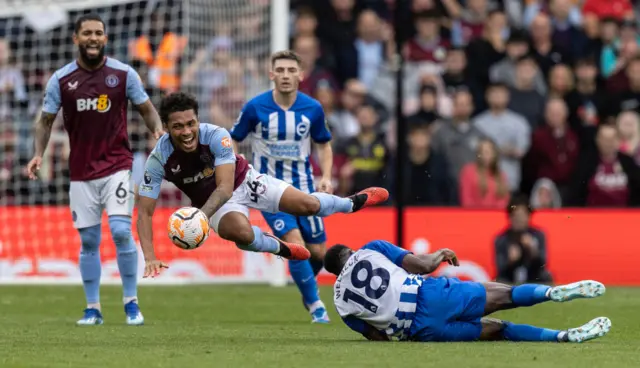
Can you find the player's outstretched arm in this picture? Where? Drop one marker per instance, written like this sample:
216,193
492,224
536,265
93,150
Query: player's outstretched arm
147,195
427,263
146,207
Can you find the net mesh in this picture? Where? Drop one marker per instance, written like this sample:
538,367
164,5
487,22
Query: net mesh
223,62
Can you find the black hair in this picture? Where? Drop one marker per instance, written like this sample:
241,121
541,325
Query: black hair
175,102
335,258
519,200
526,57
497,85
87,18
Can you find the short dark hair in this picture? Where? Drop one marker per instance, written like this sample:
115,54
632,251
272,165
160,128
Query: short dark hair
493,85
526,57
285,55
175,102
87,18
519,200
334,259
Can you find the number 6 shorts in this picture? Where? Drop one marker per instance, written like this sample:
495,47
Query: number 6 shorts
113,193
258,191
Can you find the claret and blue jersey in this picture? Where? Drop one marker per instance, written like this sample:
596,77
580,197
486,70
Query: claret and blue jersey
281,147
192,172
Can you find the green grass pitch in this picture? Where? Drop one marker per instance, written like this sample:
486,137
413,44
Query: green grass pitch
259,326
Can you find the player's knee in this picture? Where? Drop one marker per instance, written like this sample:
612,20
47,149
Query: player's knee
90,238
492,329
242,236
309,206
120,227
318,252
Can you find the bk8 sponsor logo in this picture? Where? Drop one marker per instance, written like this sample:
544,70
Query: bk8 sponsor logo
100,104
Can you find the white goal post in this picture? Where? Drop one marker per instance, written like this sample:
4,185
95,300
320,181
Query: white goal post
224,62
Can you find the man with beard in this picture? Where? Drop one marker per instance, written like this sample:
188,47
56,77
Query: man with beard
93,92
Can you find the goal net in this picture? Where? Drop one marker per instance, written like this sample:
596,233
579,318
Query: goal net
219,51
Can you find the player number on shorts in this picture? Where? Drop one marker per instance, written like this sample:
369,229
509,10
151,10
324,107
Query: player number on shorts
253,187
121,192
365,283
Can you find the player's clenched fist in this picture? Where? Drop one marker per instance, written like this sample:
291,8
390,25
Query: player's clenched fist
33,167
153,268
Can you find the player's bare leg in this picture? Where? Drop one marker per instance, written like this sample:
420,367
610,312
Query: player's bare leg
496,330
304,276
298,203
235,227
502,296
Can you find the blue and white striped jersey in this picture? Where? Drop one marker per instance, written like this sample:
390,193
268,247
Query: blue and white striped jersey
374,288
281,140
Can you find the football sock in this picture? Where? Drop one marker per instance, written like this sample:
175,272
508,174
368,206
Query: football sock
529,294
261,243
89,262
302,274
316,265
330,204
514,332
126,254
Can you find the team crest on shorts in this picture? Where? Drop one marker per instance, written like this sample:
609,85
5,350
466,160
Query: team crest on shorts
111,80
278,225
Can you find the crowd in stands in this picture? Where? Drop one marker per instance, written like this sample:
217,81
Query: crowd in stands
501,97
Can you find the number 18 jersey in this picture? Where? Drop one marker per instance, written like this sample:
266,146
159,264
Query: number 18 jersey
374,288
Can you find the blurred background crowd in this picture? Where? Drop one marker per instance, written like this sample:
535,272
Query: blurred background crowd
502,98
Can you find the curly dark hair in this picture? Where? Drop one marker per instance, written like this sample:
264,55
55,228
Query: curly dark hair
87,18
175,102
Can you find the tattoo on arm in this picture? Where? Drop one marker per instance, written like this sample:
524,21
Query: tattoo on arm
218,198
43,132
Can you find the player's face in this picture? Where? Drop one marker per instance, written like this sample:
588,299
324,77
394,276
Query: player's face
91,40
183,127
286,74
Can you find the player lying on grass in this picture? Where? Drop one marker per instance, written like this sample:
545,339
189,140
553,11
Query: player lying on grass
199,159
382,294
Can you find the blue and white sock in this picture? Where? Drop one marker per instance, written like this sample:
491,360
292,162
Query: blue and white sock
527,295
514,332
261,243
330,204
90,267
302,274
127,256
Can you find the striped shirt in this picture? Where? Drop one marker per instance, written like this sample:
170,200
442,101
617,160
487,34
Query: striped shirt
281,139
374,288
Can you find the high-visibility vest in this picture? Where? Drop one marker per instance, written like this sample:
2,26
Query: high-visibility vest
163,72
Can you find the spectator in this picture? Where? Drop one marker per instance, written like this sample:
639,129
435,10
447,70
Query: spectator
354,95
608,33
560,81
456,76
427,180
482,183
456,138
305,24
510,131
627,98
614,9
545,195
365,154
525,99
610,53
521,250
566,32
505,70
487,50
554,150
609,178
13,91
427,45
629,131
365,56
428,112
468,23
309,51
619,79
585,103
547,53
